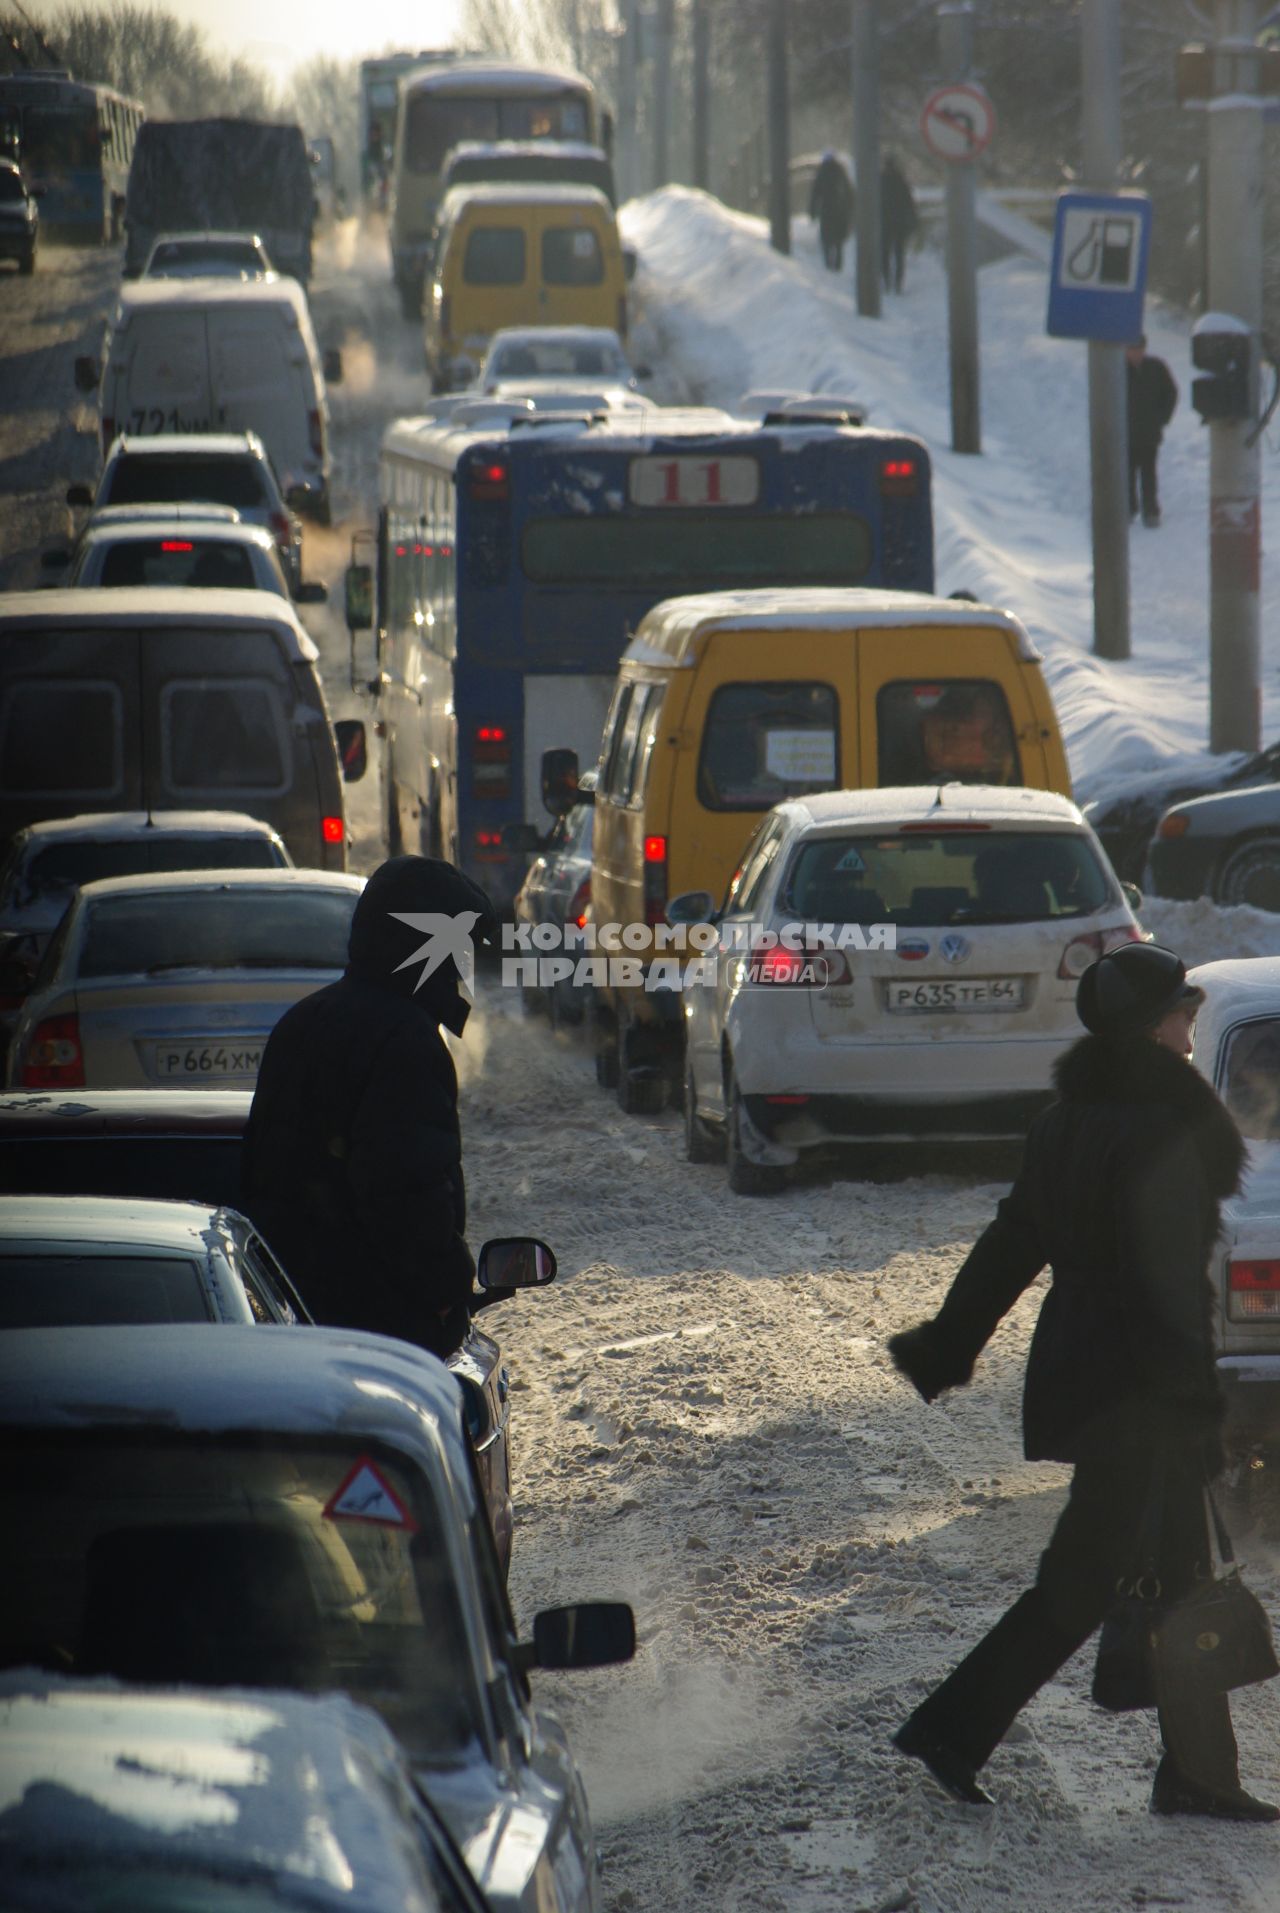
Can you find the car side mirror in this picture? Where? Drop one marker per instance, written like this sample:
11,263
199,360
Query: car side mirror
358,586
312,592
630,261
559,780
521,839
588,1634
515,1262
353,748
333,366
1132,895
87,373
55,560
79,495
692,906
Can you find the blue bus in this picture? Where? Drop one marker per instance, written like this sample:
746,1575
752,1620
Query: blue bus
517,553
74,142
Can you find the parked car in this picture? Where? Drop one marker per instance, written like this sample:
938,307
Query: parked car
238,1801
942,1023
208,556
217,468
1126,820
302,1511
563,354
1225,846
46,862
208,255
557,889
19,218
178,978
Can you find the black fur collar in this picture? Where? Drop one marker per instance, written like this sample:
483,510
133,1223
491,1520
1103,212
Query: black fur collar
1137,1070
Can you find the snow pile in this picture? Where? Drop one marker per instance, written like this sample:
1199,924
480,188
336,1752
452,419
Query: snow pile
1012,525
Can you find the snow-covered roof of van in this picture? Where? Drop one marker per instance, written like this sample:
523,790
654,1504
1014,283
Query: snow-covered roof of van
141,295
156,605
671,632
491,76
918,803
524,148
633,432
519,192
184,444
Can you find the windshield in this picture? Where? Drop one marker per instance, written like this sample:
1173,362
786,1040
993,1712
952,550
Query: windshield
1251,1083
66,866
141,480
60,139
258,1564
436,122
89,1291
920,878
219,929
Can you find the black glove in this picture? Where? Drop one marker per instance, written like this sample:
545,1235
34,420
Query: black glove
925,1356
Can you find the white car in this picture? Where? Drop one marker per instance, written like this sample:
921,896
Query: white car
570,355
220,557
1237,1047
893,965
178,979
208,255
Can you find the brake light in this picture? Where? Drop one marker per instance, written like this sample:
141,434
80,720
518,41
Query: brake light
316,428
1254,1289
577,912
491,734
1173,826
489,478
281,529
176,544
491,761
655,880
1086,949
489,847
811,969
899,478
331,830
54,1059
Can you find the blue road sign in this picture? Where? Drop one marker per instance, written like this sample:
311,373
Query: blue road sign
1099,272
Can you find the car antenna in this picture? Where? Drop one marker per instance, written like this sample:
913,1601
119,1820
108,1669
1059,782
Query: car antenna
937,801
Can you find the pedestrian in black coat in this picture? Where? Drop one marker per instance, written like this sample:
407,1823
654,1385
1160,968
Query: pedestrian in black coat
1119,1191
353,1154
831,204
1152,401
898,220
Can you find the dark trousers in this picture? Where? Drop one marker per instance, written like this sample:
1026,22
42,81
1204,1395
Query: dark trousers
1142,481
893,256
833,254
1093,1544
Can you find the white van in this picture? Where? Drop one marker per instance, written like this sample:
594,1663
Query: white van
218,355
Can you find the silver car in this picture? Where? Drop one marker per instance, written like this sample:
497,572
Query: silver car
208,255
178,979
570,355
212,556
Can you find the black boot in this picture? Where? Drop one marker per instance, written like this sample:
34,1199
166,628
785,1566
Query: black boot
949,1768
1174,1793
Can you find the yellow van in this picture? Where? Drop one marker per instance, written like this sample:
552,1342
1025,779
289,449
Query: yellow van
728,703
519,255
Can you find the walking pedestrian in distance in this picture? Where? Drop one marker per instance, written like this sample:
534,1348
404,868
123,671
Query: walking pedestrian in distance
898,221
831,204
1119,1191
1153,399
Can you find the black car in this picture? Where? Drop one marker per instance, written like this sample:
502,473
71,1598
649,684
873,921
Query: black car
1126,821
1225,846
19,218
557,890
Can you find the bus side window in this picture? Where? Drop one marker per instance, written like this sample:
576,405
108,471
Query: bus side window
611,744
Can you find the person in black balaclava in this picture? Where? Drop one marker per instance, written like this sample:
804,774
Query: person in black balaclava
353,1154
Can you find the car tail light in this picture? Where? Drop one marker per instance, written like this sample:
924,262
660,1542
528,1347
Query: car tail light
1086,949
282,529
316,429
1173,826
655,880
489,847
489,479
1254,1290
54,1059
176,544
491,761
577,911
331,829
811,968
899,478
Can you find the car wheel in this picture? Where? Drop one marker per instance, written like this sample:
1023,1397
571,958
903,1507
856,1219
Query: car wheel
701,1144
1251,874
746,1178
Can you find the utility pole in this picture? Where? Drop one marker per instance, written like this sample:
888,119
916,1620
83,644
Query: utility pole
1108,374
1235,465
628,75
701,95
663,35
865,54
779,127
955,37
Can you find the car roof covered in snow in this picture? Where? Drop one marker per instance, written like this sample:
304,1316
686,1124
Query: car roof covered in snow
128,531
283,878
178,608
672,633
114,826
952,804
151,1227
145,295
483,193
1236,989
295,1795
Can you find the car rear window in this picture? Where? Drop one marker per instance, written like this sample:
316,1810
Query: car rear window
951,730
90,1291
250,928
222,735
65,866
1251,1080
571,256
920,878
201,562
61,739
140,480
208,254
494,256
766,742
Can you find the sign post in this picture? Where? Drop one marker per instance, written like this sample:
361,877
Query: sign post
957,123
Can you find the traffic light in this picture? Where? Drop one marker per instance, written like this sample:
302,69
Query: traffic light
1224,358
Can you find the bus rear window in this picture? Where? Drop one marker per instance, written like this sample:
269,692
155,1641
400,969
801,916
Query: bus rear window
677,551
571,256
494,256
952,730
766,742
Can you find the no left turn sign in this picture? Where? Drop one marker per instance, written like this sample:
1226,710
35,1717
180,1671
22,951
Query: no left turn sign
958,121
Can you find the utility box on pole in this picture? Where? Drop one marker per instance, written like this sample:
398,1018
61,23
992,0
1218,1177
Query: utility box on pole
865,55
779,126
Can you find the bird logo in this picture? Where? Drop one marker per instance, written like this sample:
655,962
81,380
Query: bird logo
445,937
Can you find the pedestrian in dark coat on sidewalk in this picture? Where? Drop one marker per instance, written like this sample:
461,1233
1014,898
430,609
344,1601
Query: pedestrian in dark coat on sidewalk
898,221
1119,1190
831,204
1153,399
353,1154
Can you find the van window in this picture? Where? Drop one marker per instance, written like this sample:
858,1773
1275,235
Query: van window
611,743
224,734
945,730
571,256
766,742
62,740
494,256
646,738
178,561
144,480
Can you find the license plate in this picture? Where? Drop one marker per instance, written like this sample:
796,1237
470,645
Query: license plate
153,418
958,993
201,1061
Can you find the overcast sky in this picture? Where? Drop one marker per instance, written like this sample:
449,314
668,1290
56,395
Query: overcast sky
278,34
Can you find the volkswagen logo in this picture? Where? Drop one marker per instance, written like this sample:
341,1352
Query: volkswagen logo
953,948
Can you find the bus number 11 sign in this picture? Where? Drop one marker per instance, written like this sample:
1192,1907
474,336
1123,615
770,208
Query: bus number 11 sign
694,481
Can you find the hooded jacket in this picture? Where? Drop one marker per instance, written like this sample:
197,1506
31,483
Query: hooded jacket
1120,1191
353,1154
